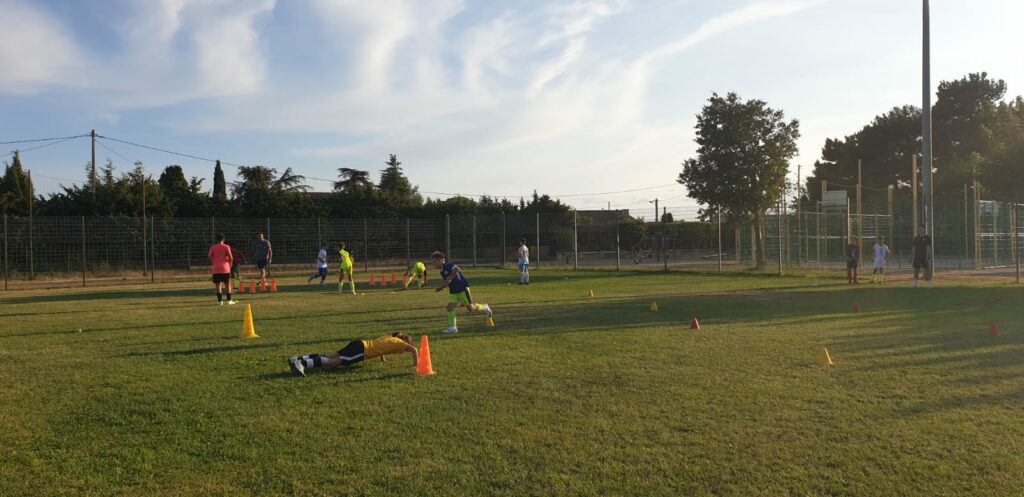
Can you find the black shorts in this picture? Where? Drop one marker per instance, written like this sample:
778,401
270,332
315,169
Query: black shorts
851,264
261,264
352,353
222,278
920,264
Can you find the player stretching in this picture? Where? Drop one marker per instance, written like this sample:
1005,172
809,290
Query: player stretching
321,266
852,261
220,261
355,352
458,290
524,262
345,269
881,259
921,256
418,270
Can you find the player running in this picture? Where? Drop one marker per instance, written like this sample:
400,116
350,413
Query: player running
220,262
852,261
458,290
921,255
524,262
355,352
415,271
882,254
321,266
345,269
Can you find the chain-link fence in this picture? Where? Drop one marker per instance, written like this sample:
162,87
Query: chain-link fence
971,234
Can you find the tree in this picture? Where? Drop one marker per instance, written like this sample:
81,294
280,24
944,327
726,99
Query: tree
667,217
261,192
742,159
397,193
353,181
220,187
15,188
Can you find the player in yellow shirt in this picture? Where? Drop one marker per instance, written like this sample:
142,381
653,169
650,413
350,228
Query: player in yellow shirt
355,352
345,269
418,270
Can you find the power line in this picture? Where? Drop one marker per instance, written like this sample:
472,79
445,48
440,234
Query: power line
65,138
37,147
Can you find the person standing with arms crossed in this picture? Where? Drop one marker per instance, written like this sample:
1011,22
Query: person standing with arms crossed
524,262
921,255
220,262
345,269
263,255
881,259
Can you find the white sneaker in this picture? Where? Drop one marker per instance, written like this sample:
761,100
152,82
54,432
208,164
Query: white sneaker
487,311
450,330
232,302
298,369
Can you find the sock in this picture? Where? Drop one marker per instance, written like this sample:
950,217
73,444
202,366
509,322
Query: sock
929,283
312,361
218,297
480,308
353,283
451,319
229,296
915,283
527,276
340,286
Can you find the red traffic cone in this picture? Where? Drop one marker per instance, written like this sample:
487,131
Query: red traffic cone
241,287
993,331
273,285
372,281
856,307
393,280
694,325
383,280
252,286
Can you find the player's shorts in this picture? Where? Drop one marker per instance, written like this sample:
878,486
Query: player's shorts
523,266
920,264
879,263
322,271
261,264
460,298
345,269
851,264
222,278
352,353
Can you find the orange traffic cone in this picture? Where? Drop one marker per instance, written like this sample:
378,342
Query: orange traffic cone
273,285
241,287
393,280
263,285
856,307
993,331
694,325
252,286
423,365
824,358
372,282
383,280
248,330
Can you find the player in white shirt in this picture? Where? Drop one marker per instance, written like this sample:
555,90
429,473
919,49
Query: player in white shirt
321,265
882,254
524,263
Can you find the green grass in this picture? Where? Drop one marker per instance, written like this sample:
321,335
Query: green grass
568,395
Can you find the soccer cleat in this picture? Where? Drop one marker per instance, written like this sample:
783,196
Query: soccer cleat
220,302
450,330
232,302
296,366
310,279
487,311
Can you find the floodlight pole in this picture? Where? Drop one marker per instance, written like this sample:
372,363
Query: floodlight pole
928,217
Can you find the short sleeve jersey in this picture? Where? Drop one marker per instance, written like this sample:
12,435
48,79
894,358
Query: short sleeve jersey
220,259
261,249
346,259
459,284
921,244
880,250
524,255
419,268
383,346
321,259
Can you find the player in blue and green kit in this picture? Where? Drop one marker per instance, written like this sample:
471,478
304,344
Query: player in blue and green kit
418,270
345,269
458,290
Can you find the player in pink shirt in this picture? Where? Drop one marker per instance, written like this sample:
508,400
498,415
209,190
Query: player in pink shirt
220,260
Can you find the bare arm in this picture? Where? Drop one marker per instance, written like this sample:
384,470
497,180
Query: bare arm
415,354
448,281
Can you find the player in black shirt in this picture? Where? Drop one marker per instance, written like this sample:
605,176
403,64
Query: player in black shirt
922,255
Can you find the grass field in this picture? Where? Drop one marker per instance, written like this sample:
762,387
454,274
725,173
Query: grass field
568,395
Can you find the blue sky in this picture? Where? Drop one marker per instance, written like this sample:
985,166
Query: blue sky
501,98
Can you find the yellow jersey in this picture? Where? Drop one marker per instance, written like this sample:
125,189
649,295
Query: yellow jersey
383,346
346,259
418,269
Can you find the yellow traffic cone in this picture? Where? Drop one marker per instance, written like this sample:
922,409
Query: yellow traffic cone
654,307
590,293
248,330
489,322
823,358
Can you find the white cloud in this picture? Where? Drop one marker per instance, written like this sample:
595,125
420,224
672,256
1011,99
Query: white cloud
36,52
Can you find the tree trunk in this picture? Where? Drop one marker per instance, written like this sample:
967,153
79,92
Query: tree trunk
759,239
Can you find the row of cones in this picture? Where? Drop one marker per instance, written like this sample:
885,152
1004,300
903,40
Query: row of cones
253,288
424,366
383,280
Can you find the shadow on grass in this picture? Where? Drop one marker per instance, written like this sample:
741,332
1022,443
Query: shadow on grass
352,375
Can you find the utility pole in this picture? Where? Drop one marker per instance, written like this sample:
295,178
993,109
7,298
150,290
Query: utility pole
926,131
92,172
655,209
799,221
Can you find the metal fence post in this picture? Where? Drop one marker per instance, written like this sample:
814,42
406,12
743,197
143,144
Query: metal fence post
152,249
145,247
618,252
268,229
5,252
719,239
501,242
31,251
778,225
448,236
408,242
83,251
474,240
538,241
213,229
366,247
319,236
1016,253
575,243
